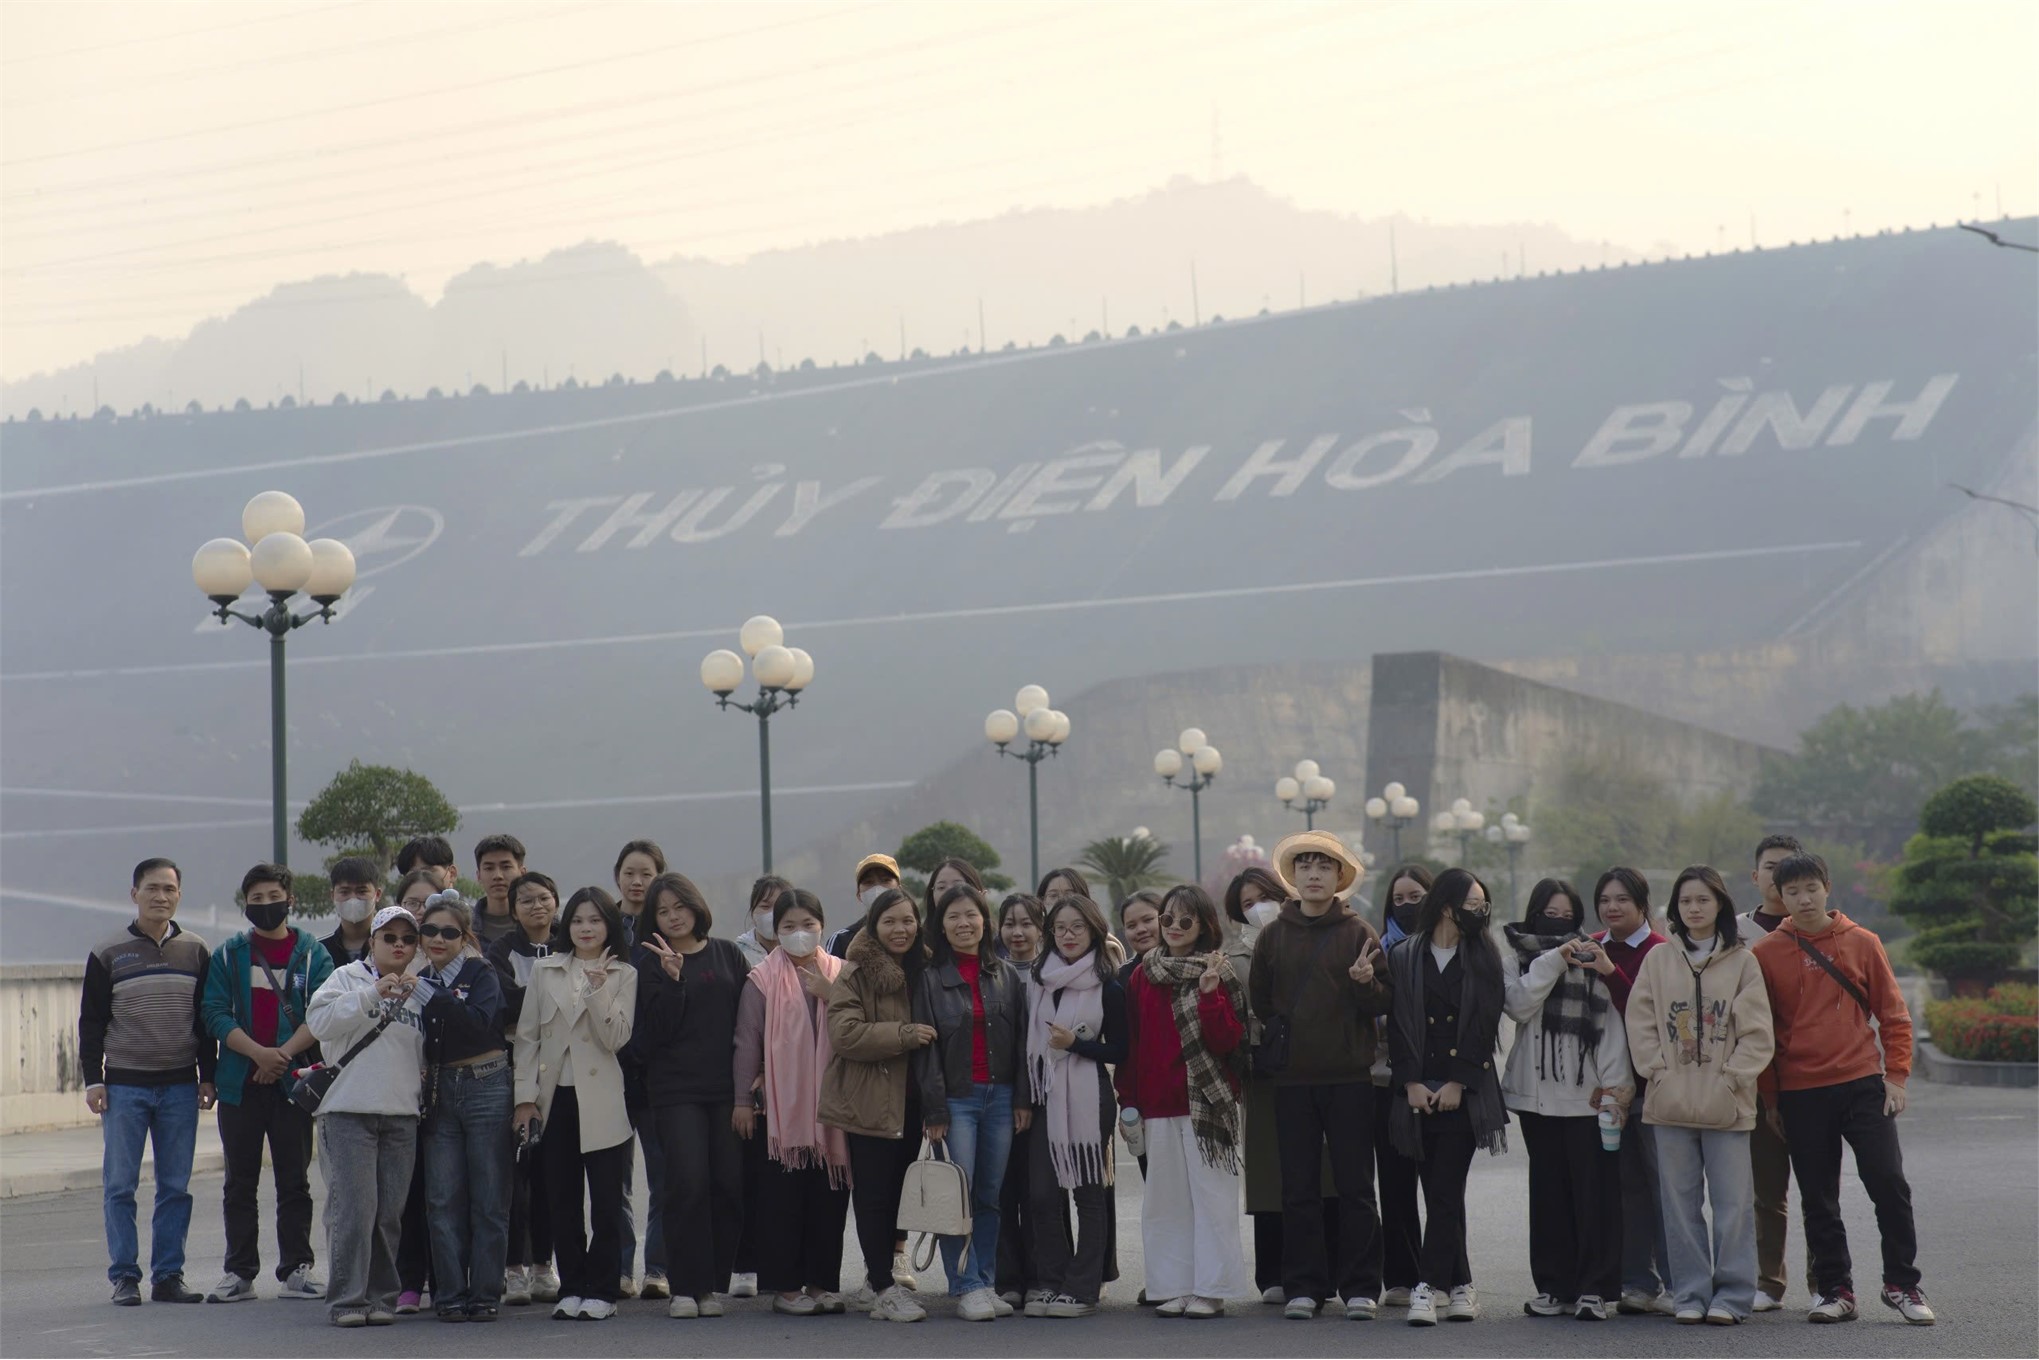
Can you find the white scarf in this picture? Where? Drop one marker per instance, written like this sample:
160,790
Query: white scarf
1069,994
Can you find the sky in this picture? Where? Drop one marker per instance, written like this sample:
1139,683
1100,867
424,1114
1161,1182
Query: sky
165,162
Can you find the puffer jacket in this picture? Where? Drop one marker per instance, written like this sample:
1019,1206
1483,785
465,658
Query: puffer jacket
864,1089
1701,1038
943,1000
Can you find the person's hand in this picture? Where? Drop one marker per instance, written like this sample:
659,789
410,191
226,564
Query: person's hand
95,1099
1363,967
208,1095
1448,1097
917,1036
1893,1098
743,1120
1591,955
935,1132
1059,1038
814,983
389,985
523,1116
669,958
1421,1098
269,1065
1022,1119
598,971
1214,962
1774,1117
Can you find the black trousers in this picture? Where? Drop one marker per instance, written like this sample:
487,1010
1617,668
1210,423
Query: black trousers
877,1174
1267,1243
1018,1271
590,1247
1574,1207
703,1196
1075,1264
1448,1146
753,1153
1401,1222
1308,1120
266,1115
530,1214
1816,1123
800,1228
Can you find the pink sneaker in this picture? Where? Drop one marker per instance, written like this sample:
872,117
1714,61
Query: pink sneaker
407,1302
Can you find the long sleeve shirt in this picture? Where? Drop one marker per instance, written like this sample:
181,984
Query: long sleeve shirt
140,1021
1627,957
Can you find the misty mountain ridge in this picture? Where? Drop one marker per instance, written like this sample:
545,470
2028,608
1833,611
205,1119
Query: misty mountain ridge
1185,252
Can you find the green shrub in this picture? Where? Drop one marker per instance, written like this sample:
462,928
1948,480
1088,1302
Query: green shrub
2000,1027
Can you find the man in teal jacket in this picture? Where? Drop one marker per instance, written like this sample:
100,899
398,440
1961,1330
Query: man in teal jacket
256,995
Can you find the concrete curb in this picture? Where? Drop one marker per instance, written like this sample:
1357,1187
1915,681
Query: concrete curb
56,1160
1937,1066
53,1180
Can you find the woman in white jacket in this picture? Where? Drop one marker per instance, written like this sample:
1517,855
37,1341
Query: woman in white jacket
368,1122
578,1012
1570,1054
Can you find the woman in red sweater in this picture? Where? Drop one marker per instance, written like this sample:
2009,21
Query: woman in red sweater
1186,1012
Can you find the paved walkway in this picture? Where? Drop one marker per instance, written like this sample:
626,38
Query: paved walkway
68,1159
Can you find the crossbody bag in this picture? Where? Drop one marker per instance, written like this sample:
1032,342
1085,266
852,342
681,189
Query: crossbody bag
1271,1054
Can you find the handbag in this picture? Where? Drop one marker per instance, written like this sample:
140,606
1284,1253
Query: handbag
935,1202
314,1082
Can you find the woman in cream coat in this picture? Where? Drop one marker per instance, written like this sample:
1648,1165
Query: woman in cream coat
578,1011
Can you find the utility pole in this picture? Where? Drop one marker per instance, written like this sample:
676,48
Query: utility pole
506,369
983,340
1196,311
902,337
704,356
1394,270
1105,311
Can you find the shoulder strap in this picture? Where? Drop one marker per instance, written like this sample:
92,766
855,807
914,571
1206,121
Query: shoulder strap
282,994
364,1041
1847,983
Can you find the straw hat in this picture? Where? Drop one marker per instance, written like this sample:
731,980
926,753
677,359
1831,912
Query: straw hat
1321,843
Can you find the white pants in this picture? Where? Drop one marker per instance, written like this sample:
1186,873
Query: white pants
1189,1220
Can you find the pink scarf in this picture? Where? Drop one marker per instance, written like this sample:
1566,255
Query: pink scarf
1065,1083
797,1051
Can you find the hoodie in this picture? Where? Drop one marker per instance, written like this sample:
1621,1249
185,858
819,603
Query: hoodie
387,1077
1823,1037
1701,1038
1300,970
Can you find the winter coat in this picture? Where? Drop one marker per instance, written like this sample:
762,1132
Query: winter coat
864,1088
561,1014
1701,1041
1300,965
943,1000
1556,1088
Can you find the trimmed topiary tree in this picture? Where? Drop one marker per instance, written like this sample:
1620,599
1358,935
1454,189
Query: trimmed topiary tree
1970,881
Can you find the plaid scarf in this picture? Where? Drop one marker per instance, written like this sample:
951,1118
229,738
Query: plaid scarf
1213,1105
1576,1008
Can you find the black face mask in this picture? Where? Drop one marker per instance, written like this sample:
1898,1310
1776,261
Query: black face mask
1543,923
1406,914
1472,922
266,915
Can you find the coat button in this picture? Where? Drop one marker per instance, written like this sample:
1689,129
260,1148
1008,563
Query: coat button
1454,1053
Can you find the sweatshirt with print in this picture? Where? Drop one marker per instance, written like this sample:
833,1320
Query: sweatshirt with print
1823,1036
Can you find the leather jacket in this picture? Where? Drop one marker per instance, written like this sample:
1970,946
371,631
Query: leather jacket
943,1000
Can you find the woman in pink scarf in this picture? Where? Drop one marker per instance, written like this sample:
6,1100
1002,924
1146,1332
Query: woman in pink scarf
782,1050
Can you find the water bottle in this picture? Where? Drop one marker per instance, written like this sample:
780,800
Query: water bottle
1610,1124
1133,1129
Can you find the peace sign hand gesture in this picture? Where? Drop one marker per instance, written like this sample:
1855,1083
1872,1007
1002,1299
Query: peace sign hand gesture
669,958
598,971
1362,969
1214,963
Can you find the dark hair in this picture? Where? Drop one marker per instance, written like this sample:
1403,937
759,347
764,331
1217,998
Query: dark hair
617,941
355,869
1778,841
1093,920
1412,870
1026,902
462,917
532,876
939,948
149,866
791,898
1798,867
432,850
765,889
1210,930
1707,877
683,888
1540,898
498,844
649,848
1638,887
917,952
1476,947
403,885
266,872
1147,895
928,905
1076,881
1261,877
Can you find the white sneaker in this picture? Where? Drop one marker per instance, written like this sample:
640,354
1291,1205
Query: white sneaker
1360,1310
1173,1308
568,1308
517,1287
1688,1317
1590,1308
744,1286
1398,1297
1300,1309
1273,1295
594,1310
626,1288
1911,1305
897,1304
232,1288
1422,1306
1201,1307
799,1305
655,1287
1545,1305
829,1301
1465,1304
977,1306
1719,1316
902,1272
1766,1304
710,1305
1838,1306
1001,1306
302,1284
544,1285
1634,1301
683,1307
860,1299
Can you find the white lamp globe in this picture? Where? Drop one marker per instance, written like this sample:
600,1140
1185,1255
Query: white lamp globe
1461,806
721,670
1141,833
774,667
1495,832
1039,725
1320,789
282,562
1028,699
1406,808
1394,793
1376,808
1246,842
1207,761
1509,819
1471,821
1306,770
1061,728
221,569
759,632
1168,764
272,512
1518,834
803,670
1287,789
1444,821
1190,741
1001,726
332,570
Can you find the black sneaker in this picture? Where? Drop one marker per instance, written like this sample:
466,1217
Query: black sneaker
171,1289
481,1312
452,1314
127,1293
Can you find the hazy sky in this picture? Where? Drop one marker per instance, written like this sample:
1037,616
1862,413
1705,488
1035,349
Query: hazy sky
163,162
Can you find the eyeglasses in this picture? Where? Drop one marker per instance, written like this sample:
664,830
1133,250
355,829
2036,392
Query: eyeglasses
1071,930
440,932
1178,920
398,941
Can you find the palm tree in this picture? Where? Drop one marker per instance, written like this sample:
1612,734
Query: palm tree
1126,864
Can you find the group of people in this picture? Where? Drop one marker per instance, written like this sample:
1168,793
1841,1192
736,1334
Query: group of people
479,1078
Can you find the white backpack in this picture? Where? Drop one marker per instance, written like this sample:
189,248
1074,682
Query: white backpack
935,1202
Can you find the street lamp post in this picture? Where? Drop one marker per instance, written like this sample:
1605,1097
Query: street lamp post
277,558
1512,832
782,672
1463,821
1046,729
1204,764
1308,786
1394,809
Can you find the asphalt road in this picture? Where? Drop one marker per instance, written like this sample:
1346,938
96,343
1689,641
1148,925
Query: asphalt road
1974,1173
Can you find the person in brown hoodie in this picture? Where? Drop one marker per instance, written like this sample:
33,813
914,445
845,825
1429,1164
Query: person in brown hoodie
1844,1051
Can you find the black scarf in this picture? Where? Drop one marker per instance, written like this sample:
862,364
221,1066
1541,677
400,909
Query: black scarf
1576,1008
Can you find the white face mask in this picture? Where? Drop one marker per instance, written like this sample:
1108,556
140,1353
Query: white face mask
1263,913
800,943
870,895
761,923
353,910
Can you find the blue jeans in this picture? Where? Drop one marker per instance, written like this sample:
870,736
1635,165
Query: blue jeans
467,1187
980,1141
1715,1162
168,1116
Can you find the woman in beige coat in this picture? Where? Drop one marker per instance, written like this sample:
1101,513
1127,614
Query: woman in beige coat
578,1011
1699,1030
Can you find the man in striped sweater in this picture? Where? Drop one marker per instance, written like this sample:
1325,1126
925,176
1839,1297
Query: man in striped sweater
148,1065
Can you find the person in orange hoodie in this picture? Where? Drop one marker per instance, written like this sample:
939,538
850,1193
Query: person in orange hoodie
1833,1081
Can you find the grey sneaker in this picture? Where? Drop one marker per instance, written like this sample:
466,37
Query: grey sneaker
1397,1297
350,1319
1300,1309
232,1288
655,1287
683,1307
897,1304
1069,1306
710,1305
744,1285
859,1300
1359,1310
302,1284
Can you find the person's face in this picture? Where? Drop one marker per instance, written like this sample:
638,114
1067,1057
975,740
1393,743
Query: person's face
1071,933
798,919
1057,888
898,928
266,895
1406,895
1142,925
633,877
535,908
1558,909
1698,908
1315,876
1618,911
440,936
156,898
1021,936
496,870
1180,928
1806,900
1251,893
963,926
589,932
1475,908
371,893
394,946
948,878
1765,865
675,919
872,883
414,896
445,875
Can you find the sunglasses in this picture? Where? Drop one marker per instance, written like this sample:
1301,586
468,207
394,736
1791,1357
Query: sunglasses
1179,920
406,941
440,932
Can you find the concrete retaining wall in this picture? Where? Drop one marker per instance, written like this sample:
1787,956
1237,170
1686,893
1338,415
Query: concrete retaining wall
40,1083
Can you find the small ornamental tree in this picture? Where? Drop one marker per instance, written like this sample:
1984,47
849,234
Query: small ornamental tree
373,809
1970,880
1126,864
922,853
